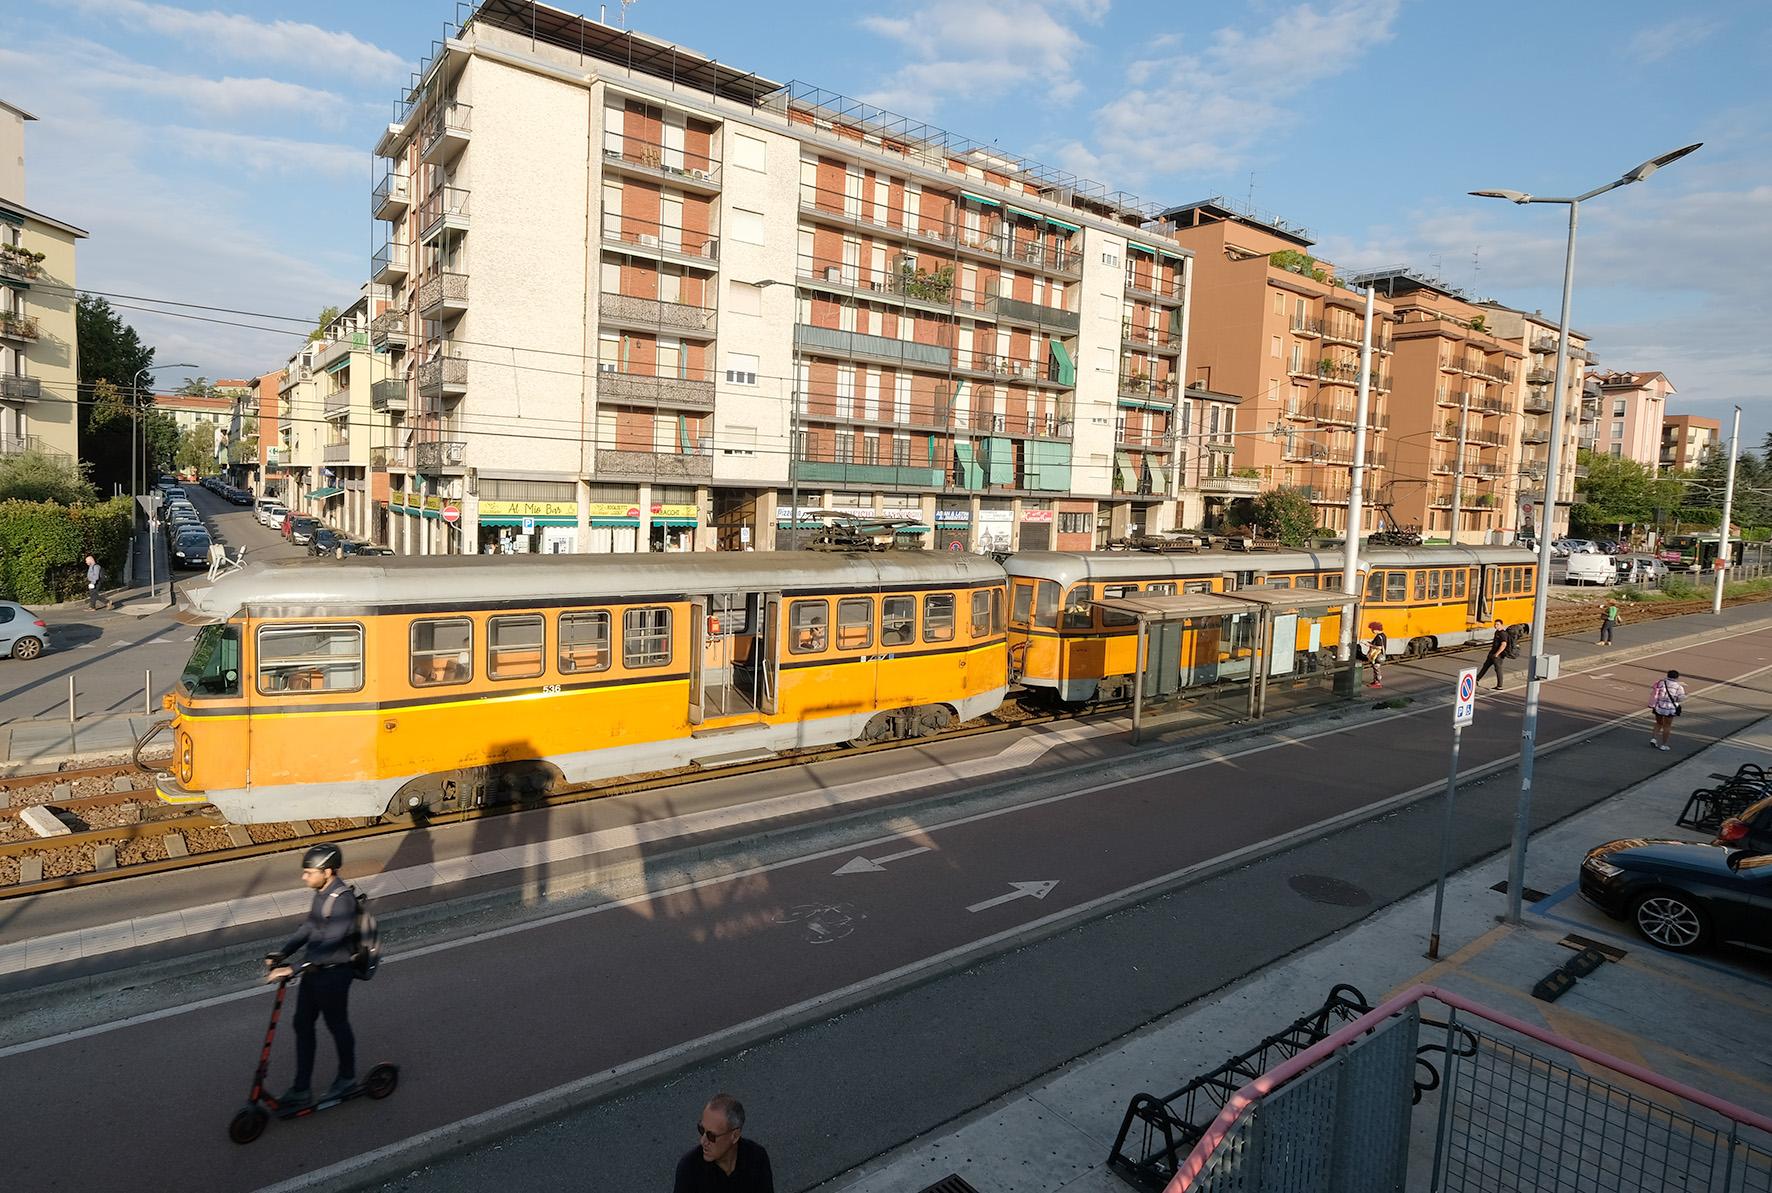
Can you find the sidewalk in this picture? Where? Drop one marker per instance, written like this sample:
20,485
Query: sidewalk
1056,1134
44,745
131,594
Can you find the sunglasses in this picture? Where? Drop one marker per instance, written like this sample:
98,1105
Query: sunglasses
710,1136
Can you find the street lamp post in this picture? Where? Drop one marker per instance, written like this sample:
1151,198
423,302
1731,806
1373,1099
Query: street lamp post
1722,565
135,411
1516,875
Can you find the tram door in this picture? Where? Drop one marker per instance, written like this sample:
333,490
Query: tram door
1486,601
732,657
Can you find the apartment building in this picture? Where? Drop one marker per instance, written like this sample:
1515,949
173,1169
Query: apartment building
39,350
1535,335
1276,327
263,468
1632,407
637,299
336,436
1688,441
192,410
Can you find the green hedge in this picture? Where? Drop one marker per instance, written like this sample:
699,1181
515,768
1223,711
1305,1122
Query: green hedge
43,547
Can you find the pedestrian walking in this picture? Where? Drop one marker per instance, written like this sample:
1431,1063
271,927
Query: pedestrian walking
1608,619
94,574
1665,700
1375,653
724,1159
1500,647
329,935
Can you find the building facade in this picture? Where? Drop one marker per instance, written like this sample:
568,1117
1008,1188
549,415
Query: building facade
1688,441
635,299
332,458
1631,409
1535,336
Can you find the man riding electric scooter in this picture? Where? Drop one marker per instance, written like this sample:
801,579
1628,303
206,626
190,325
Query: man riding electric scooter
328,934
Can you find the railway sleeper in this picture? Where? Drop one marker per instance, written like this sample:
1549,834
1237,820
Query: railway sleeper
525,782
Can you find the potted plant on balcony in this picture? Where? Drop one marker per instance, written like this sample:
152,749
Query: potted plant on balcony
20,261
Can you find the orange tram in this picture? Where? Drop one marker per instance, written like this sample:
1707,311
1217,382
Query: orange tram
380,685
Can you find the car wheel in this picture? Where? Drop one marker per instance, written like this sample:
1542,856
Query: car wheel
1670,920
27,648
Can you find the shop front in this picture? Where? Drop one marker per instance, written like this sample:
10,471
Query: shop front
528,527
993,530
1036,526
953,524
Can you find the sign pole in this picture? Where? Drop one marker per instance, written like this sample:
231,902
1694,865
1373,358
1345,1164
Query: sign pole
1464,708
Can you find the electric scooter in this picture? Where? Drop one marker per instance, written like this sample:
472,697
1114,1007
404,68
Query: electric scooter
249,1121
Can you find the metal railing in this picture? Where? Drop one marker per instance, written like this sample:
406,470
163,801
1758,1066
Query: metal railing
18,327
664,238
450,125
442,290
388,396
651,312
694,390
444,208
392,259
1141,385
1158,337
674,163
392,190
438,454
20,389
997,241
441,373
1139,284
18,445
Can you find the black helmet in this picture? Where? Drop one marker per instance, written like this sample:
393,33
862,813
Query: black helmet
323,857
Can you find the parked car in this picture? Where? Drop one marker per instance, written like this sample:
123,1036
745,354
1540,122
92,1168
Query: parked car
240,496
1682,896
23,634
180,521
271,515
301,530
1589,568
368,549
1636,569
324,541
190,549
1752,830
289,517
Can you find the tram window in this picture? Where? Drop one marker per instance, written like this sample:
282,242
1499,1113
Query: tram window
584,642
646,637
315,658
855,623
981,612
1307,582
515,647
442,652
1396,586
1433,586
938,617
1046,605
1114,616
1277,582
808,623
898,621
1374,587
1332,580
996,610
1078,615
1161,588
1024,602
1421,586
214,666
1459,580
1531,577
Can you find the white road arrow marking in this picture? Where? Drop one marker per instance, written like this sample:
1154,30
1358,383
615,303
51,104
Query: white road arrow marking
862,865
1038,890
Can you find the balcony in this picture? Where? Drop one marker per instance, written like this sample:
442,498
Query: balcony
18,445
640,466
391,262
1338,373
439,456
383,458
1013,310
1230,486
661,243
991,367
1140,286
336,453
649,314
336,404
1536,402
19,266
648,159
447,132
1490,372
995,245
443,296
392,195
388,397
20,389
1540,376
1534,433
1139,387
1544,343
445,210
388,330
1305,325
443,377
640,389
1337,332
1152,338
17,327
901,353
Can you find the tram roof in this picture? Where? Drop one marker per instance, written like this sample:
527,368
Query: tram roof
1070,567
368,581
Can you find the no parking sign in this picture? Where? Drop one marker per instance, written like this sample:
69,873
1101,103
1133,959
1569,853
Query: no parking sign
1464,706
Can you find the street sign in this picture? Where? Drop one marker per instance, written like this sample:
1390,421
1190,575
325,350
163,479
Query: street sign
1464,708
528,525
451,514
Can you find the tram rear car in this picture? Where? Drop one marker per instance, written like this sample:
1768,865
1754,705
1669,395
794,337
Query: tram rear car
363,687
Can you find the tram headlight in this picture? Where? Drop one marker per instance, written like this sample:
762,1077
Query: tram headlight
185,767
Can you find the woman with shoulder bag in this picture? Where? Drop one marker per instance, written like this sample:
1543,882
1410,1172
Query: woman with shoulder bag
1665,699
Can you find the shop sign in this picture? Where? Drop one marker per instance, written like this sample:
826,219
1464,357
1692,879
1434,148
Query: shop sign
530,509
433,503
619,509
1036,515
953,517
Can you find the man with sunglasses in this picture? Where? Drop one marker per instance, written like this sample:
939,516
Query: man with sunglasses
725,1159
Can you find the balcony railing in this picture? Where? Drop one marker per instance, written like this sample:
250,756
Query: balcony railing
391,262
442,376
995,242
336,453
443,295
391,196
1305,325
447,132
661,161
1151,287
652,313
1544,343
18,445
1536,402
389,396
642,389
18,327
388,329
1162,339
445,210
1017,311
1139,385
1540,376
1338,373
336,404
683,466
660,238
19,265
20,389
881,348
438,455
1230,486
1012,367
388,457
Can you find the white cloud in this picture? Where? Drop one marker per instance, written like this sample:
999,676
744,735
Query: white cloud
1675,37
90,67
968,49
236,36
270,155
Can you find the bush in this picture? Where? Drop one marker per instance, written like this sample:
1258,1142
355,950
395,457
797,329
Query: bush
43,547
39,476
1676,589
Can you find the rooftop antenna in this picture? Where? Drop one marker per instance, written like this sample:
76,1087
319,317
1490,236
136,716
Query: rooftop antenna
1251,199
624,11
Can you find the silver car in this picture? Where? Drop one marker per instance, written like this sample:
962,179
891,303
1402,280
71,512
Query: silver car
23,634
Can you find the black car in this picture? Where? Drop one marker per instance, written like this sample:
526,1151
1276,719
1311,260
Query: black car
354,548
1680,895
180,521
1752,830
325,541
190,549
301,530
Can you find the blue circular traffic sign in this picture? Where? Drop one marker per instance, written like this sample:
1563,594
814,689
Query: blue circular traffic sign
1467,686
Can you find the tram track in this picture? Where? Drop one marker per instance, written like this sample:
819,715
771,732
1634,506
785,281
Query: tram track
154,838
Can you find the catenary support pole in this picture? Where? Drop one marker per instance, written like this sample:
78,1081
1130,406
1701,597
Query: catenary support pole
1433,940
1722,566
1356,492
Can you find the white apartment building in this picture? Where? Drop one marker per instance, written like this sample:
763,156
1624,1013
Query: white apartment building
630,298
333,436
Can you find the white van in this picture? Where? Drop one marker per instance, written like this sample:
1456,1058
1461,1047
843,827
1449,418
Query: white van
1588,568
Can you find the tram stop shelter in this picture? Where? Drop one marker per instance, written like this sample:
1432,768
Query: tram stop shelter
1199,642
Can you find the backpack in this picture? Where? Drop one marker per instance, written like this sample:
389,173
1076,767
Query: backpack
365,940
1513,644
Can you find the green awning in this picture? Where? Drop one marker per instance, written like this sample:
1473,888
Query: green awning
323,494
979,199
1143,248
1032,215
971,475
343,362
1128,474
608,522
999,457
511,520
1062,224
1172,255
1067,369
1144,404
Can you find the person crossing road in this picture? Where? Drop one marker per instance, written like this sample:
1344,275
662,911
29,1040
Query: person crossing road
329,936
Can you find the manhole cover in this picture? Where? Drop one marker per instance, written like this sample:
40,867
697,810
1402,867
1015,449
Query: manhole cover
1320,888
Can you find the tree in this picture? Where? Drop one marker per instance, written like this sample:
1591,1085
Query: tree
196,387
196,449
1285,514
327,315
113,354
243,448
40,476
1619,491
160,437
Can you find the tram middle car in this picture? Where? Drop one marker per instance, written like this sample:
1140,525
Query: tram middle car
367,687
1427,598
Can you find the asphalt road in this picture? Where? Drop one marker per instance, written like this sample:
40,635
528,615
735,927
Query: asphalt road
482,1023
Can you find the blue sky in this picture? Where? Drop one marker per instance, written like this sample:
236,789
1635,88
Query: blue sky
221,156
